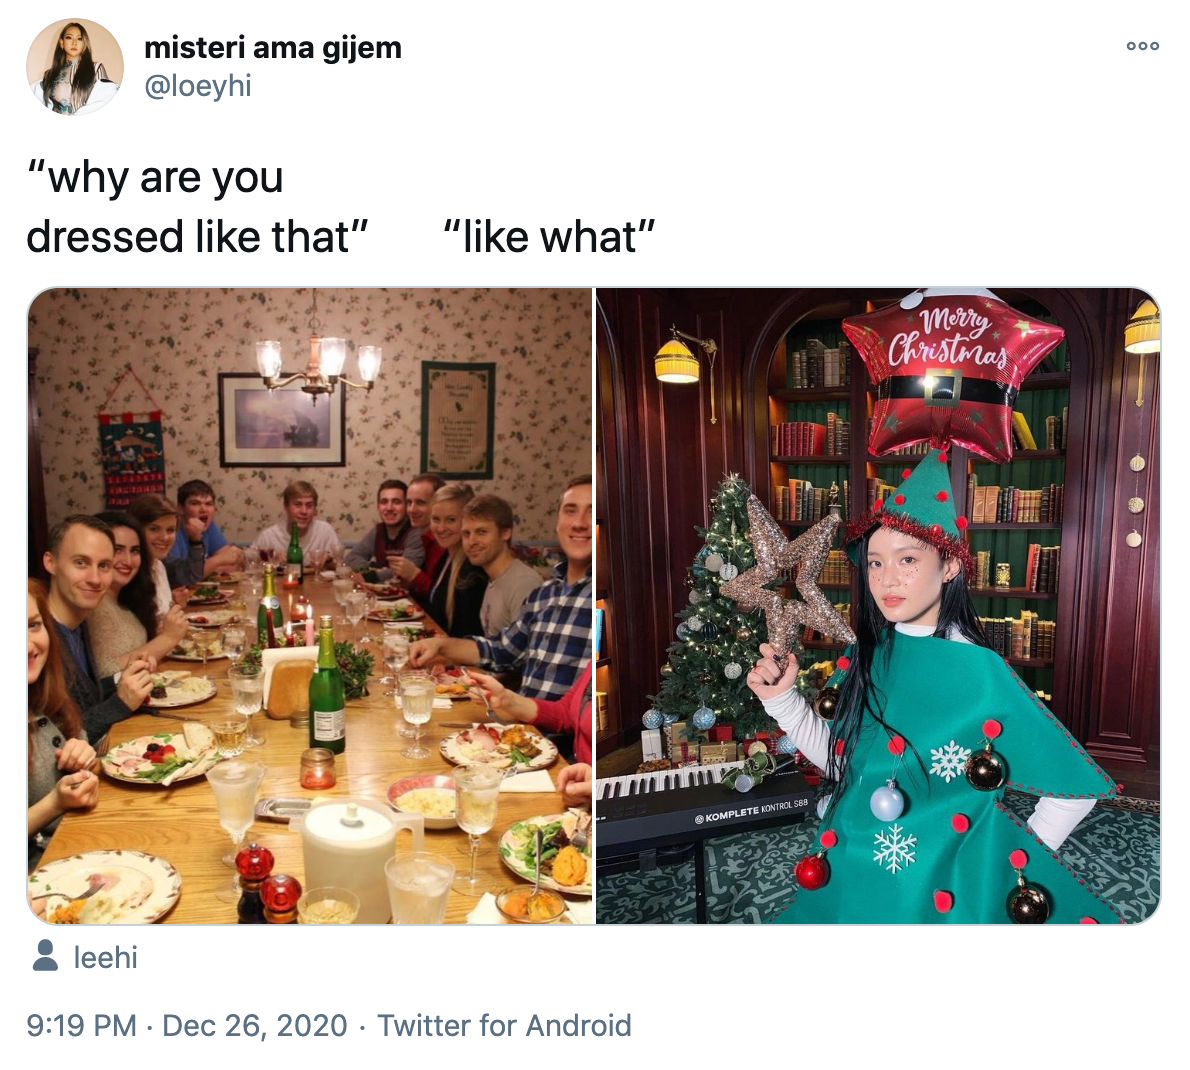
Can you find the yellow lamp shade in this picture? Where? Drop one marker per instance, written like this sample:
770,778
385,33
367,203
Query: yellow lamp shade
1143,333
675,363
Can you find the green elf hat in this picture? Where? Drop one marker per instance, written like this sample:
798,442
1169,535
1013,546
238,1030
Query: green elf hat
921,507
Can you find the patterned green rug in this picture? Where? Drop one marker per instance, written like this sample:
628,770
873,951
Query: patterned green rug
750,878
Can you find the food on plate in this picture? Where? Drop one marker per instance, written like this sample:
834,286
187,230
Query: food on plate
429,802
520,904
385,590
205,592
522,737
401,609
570,867
178,684
225,577
123,891
451,689
188,648
159,758
501,747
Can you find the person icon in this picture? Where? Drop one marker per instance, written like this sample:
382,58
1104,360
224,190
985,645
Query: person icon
45,949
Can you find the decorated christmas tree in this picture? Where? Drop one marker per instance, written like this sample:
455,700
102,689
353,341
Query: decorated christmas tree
717,643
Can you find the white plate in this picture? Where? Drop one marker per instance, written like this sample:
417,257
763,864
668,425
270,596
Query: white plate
138,747
383,618
176,700
519,834
216,618
449,749
196,657
146,874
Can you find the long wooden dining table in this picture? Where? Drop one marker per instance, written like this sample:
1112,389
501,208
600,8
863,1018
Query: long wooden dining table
181,825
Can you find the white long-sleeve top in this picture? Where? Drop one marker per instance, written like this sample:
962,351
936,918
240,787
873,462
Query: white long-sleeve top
1052,819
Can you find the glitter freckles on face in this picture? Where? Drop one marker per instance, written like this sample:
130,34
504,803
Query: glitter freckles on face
905,577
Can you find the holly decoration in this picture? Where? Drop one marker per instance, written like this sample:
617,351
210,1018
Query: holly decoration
709,668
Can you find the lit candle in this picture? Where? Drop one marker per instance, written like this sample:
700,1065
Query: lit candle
289,633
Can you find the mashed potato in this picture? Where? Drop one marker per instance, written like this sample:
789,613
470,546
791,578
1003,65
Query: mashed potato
429,802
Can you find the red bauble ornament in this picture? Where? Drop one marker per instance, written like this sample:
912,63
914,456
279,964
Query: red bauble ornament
812,872
947,368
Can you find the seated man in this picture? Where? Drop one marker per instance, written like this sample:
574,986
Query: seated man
196,524
418,577
79,561
550,640
301,503
395,534
487,542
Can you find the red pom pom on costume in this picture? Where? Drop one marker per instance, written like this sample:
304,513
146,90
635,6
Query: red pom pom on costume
942,456
960,822
828,838
879,505
1087,921
960,522
843,662
942,495
906,473
936,529
1017,859
840,746
992,728
899,499
896,745
943,901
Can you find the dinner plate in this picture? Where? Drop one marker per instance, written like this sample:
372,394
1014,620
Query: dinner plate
147,879
386,618
225,577
214,619
522,833
177,701
417,783
134,748
196,657
449,748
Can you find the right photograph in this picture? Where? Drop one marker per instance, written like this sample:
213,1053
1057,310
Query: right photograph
877,605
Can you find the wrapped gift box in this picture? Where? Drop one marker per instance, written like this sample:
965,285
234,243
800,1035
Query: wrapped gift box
650,744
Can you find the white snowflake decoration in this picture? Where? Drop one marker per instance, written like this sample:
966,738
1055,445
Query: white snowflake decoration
949,760
894,851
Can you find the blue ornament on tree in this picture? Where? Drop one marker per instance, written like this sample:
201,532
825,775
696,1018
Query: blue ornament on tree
683,630
670,718
653,719
704,718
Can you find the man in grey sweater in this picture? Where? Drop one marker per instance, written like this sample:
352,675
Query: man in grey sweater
393,535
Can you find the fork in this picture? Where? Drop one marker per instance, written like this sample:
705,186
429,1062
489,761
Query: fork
581,836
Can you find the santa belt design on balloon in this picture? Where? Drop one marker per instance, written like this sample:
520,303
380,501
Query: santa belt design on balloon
945,388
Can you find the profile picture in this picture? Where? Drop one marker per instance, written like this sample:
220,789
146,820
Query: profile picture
74,67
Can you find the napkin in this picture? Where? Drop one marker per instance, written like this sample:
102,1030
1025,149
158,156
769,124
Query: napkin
440,702
272,655
538,780
485,912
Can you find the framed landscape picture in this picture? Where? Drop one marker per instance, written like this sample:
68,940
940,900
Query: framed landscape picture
282,428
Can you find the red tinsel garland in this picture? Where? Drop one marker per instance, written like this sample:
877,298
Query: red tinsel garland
946,545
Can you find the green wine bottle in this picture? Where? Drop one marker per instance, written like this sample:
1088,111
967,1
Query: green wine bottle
294,556
270,606
328,722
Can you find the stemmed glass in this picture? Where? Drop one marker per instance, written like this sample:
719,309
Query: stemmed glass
247,693
203,639
318,563
343,588
394,647
236,785
476,791
417,704
369,609
406,730
356,604
235,642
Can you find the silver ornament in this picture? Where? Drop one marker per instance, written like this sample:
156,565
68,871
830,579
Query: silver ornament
713,562
728,572
695,597
732,670
694,623
887,803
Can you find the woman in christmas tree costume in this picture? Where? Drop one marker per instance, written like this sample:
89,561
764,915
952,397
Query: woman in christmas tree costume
930,727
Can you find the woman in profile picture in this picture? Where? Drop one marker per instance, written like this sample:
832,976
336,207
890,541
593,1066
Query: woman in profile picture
74,83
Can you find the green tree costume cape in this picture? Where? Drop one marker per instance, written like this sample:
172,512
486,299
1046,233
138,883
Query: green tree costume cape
938,695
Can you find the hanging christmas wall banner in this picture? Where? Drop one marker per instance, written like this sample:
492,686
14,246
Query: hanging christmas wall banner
133,456
947,365
458,418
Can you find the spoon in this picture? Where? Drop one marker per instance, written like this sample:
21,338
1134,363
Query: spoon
536,872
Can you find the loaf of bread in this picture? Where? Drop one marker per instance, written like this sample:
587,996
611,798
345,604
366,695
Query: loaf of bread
289,691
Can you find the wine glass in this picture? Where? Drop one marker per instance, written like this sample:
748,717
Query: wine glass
252,562
318,563
203,639
356,604
236,785
369,609
417,704
237,606
343,587
266,554
235,642
406,730
395,649
476,790
247,694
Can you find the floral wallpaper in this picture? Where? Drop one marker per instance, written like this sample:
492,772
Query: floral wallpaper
177,341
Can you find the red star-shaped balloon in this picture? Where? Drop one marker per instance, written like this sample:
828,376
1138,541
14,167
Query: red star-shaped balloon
947,368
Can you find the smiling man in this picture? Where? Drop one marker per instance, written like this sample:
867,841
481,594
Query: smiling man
395,534
196,525
487,542
79,561
301,504
550,639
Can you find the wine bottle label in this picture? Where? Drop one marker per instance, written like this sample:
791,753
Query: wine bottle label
329,725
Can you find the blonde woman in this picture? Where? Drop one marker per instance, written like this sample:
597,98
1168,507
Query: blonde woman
457,588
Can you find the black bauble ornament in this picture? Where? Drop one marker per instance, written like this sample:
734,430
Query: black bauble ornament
1027,904
709,631
985,770
826,703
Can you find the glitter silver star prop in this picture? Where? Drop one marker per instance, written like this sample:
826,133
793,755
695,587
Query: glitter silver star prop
774,553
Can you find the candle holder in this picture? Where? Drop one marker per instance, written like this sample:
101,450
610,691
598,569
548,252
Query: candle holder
292,577
318,769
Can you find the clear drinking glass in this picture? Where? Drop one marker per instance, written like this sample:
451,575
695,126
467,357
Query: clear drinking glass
394,648
318,563
247,695
343,587
418,888
406,730
203,639
369,609
236,785
328,906
417,705
477,788
231,733
235,642
356,604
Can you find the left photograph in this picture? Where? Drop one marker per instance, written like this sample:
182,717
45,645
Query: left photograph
310,609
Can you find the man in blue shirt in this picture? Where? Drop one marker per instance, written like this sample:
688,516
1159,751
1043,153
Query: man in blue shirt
196,524
550,639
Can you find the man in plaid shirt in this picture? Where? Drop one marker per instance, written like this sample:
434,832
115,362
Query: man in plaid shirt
550,639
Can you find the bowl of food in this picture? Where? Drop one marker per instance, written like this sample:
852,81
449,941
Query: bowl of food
432,796
520,905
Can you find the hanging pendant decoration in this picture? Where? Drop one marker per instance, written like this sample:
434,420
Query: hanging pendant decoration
1027,903
826,703
888,803
985,769
813,871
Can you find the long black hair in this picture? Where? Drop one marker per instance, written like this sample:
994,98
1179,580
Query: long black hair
85,74
859,696
139,594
